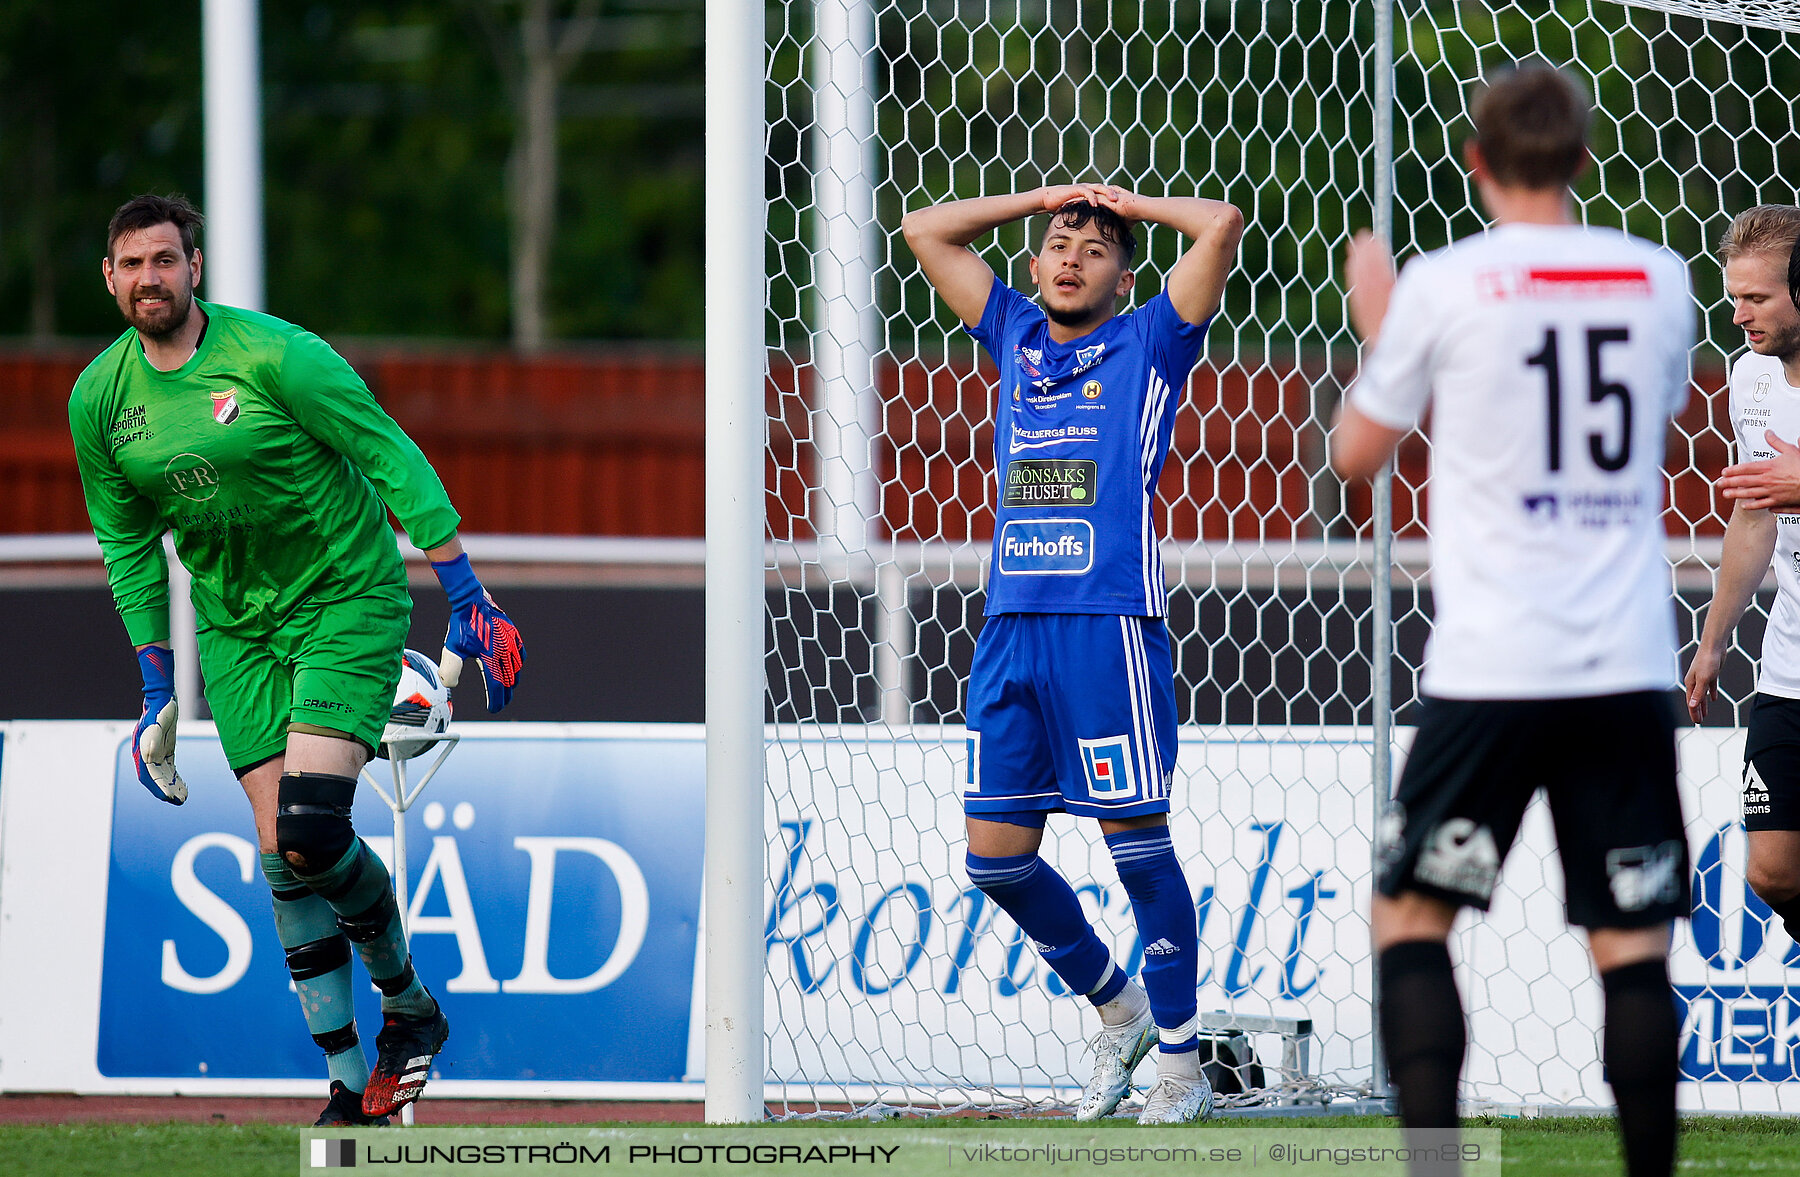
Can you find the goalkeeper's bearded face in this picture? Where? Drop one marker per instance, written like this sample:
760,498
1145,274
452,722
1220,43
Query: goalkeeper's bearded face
153,277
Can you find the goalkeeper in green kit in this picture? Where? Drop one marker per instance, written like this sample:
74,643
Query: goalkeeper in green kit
265,454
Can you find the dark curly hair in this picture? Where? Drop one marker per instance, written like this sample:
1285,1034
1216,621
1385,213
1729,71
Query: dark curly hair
1111,225
147,212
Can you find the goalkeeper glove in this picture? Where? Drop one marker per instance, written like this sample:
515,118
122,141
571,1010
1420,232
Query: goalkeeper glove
153,741
478,629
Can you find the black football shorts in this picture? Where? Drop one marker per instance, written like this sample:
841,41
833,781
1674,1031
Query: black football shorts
1772,765
1607,766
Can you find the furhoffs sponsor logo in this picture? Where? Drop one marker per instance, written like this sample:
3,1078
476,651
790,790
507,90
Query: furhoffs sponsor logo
1045,482
1046,547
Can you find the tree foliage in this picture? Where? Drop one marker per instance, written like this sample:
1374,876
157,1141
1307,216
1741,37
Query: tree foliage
386,133
388,128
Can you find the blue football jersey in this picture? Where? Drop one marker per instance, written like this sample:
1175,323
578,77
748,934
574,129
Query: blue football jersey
1080,433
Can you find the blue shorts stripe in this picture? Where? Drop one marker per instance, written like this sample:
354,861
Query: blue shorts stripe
1144,713
1135,692
1143,721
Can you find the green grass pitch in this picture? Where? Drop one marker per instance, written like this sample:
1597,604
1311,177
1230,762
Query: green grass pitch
1551,1146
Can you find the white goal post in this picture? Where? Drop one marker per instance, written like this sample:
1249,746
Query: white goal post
873,972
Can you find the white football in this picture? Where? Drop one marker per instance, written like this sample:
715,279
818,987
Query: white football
421,706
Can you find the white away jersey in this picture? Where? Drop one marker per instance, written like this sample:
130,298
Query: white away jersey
1762,399
1552,358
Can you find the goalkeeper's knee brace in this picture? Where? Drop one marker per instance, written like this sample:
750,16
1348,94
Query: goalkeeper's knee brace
312,821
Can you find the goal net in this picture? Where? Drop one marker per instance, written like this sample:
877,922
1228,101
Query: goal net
891,980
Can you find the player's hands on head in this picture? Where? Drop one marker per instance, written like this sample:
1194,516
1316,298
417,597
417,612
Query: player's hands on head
1121,201
1369,277
1702,683
1099,195
481,630
1769,484
153,740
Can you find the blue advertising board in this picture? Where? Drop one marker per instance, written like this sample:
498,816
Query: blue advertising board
555,893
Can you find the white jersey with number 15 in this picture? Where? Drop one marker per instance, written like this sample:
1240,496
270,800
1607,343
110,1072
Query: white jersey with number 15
1551,359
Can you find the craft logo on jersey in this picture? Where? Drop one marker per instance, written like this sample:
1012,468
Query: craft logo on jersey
132,425
1108,766
192,477
1046,547
1046,482
225,406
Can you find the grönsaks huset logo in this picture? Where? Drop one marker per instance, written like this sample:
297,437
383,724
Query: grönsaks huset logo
1046,547
1051,482
333,1154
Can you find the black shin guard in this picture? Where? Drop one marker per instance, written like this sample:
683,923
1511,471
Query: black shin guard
1641,1049
337,1041
1422,1026
312,821
316,959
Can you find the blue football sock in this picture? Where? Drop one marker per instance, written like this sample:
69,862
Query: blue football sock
318,958
361,892
1045,907
1164,908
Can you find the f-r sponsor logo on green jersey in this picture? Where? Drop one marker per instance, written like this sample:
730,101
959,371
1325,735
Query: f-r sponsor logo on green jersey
192,477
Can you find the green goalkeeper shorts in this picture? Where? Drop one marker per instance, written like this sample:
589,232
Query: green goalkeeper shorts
330,671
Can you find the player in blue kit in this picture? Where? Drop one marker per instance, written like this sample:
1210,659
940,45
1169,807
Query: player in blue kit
1071,704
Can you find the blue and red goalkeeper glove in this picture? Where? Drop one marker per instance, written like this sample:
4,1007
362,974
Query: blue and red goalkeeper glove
153,741
479,629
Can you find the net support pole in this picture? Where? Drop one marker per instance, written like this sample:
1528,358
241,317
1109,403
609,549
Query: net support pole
844,418
735,440
184,639
1382,582
234,183
846,407
231,74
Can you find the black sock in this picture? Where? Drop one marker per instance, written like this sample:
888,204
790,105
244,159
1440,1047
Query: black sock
1789,911
1641,1049
1422,1027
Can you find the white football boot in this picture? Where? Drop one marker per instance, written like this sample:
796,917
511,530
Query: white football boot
1177,1100
1117,1052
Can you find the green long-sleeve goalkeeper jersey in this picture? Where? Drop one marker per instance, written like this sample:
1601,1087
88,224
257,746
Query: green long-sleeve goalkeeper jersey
267,457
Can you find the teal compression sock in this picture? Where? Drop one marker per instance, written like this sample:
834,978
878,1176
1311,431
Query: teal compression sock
361,893
318,958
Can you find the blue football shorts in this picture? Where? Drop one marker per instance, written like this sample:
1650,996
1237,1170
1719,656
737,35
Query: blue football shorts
1070,712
